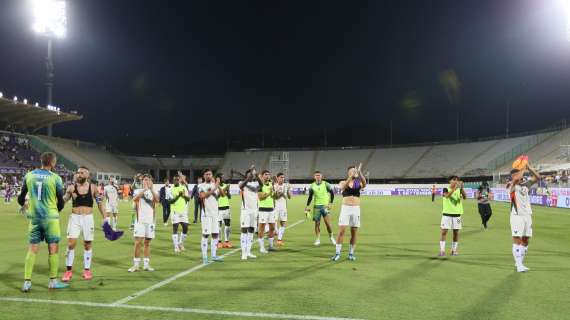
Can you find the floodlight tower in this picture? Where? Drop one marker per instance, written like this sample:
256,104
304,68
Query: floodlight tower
50,21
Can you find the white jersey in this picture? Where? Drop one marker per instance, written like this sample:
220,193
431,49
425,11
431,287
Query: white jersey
520,200
145,212
168,192
211,202
250,197
111,194
281,202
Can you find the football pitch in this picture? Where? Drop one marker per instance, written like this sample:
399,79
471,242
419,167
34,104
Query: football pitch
397,274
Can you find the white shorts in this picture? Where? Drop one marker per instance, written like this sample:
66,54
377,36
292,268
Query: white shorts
454,223
267,216
81,223
521,226
349,216
247,218
281,215
224,214
111,207
144,230
210,225
179,217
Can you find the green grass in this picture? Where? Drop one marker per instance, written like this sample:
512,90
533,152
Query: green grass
397,274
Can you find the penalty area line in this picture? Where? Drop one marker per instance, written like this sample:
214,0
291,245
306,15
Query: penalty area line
179,310
179,275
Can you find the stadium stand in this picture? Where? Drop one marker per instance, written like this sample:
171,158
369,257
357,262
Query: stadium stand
143,163
95,157
484,158
17,115
17,156
241,161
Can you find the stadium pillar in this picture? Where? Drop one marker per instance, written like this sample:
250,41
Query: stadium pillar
49,79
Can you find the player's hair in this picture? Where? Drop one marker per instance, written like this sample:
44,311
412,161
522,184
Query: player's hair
219,175
46,158
206,170
146,175
280,174
83,167
264,172
515,171
317,172
453,178
350,167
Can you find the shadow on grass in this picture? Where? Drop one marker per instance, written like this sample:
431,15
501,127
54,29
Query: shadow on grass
495,300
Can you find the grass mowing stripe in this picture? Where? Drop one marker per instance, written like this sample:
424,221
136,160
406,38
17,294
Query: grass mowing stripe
182,310
179,275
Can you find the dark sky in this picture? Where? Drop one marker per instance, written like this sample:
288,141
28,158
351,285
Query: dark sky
180,76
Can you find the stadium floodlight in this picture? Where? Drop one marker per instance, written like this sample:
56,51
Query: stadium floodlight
15,99
25,101
50,20
36,104
50,17
1,94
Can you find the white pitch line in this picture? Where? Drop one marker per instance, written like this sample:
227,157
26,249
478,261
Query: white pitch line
180,310
179,275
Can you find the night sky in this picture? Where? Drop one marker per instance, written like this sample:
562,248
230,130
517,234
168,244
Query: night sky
194,76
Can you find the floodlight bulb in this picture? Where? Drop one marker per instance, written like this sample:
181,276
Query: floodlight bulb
1,94
37,104
49,17
15,99
25,101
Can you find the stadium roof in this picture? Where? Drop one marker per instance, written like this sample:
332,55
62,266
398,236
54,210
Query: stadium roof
25,116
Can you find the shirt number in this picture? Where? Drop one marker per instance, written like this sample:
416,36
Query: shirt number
39,185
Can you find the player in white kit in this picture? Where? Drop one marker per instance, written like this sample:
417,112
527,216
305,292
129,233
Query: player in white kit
208,191
249,188
282,193
521,214
145,222
111,194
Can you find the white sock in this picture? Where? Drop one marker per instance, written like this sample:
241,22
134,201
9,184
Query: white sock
517,254
182,238
351,249
175,240
243,243
136,262
204,245
227,233
249,242
338,248
454,246
524,250
69,258
271,242
442,246
146,262
213,247
280,233
87,254
261,243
